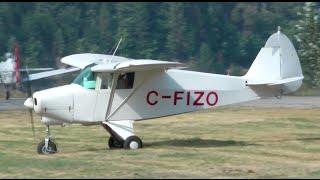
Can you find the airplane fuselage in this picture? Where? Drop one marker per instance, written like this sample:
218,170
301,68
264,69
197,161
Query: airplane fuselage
153,94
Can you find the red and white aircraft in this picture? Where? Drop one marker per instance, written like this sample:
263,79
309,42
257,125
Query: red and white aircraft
115,91
10,71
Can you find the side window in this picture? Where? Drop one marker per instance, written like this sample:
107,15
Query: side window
89,81
105,78
86,78
125,81
104,83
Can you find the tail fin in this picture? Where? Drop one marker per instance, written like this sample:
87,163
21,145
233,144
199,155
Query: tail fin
277,64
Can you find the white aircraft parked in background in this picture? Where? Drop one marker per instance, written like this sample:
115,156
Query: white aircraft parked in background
10,72
115,91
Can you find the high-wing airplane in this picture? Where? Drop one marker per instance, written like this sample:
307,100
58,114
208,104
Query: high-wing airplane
115,91
10,72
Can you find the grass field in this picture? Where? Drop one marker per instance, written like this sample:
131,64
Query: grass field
222,143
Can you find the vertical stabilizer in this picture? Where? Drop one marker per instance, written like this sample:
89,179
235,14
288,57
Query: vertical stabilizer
277,64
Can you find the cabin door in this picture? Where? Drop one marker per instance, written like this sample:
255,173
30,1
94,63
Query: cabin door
103,89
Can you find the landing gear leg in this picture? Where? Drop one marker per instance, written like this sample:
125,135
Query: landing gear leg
122,135
47,146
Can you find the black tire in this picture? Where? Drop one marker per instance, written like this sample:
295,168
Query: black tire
133,142
52,148
114,143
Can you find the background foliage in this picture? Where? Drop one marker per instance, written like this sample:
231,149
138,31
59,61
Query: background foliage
209,36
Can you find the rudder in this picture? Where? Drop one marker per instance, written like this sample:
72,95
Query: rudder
277,64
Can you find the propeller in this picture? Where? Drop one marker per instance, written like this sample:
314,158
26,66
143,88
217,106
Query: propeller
29,92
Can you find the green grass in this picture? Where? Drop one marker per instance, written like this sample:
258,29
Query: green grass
220,143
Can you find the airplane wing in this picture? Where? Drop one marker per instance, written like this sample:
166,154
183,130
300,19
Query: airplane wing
83,60
51,73
136,65
35,69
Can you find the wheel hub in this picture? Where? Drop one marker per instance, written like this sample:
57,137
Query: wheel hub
134,145
47,150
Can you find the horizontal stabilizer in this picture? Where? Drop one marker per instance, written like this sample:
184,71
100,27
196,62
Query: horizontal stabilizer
287,80
276,82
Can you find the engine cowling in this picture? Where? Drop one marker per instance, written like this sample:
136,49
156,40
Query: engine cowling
55,103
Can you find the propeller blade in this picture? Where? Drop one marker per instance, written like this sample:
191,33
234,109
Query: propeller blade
29,92
32,123
28,83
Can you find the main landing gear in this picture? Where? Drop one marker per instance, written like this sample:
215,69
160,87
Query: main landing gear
47,146
122,135
132,142
121,132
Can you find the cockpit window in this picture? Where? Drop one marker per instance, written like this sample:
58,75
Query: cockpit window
125,81
86,78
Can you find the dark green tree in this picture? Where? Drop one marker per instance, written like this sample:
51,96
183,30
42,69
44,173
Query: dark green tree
231,33
176,42
308,37
206,60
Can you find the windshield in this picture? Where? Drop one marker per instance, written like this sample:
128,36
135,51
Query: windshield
86,78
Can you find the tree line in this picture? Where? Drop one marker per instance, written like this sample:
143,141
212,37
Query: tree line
211,37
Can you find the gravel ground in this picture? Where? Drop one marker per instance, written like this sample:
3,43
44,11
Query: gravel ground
14,103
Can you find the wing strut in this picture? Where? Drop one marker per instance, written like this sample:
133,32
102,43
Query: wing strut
113,87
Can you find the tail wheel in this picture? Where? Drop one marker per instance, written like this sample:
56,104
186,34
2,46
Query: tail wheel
132,142
114,143
52,148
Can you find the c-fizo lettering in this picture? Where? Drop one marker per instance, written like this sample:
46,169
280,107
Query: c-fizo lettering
189,98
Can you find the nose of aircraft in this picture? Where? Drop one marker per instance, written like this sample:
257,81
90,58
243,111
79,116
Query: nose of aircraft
29,103
33,102
56,103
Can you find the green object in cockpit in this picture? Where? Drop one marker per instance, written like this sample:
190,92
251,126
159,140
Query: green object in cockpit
89,84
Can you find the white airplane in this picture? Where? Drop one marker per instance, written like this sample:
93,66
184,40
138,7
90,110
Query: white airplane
115,91
10,72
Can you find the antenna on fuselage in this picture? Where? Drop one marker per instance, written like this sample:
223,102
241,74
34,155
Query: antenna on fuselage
279,28
114,52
